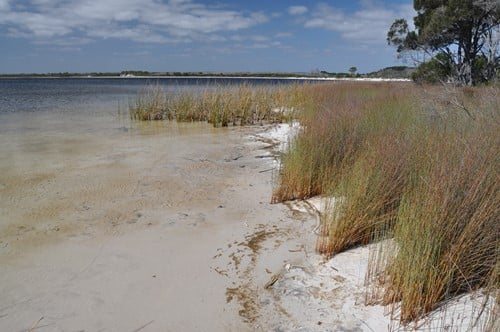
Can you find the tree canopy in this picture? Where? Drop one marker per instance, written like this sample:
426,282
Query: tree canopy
465,31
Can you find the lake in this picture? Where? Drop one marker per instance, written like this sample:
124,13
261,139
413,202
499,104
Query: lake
49,127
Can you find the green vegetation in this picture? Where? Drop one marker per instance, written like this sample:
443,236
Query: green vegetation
353,71
437,70
393,72
465,32
419,166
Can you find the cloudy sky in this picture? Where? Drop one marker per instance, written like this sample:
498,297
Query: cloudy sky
197,35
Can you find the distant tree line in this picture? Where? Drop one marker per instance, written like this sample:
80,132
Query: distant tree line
62,74
338,74
389,72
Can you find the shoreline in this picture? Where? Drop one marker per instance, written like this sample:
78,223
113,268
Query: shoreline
139,238
217,256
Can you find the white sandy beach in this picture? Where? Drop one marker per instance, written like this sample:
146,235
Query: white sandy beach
169,229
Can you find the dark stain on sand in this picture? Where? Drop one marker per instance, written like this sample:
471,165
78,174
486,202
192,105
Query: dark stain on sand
244,293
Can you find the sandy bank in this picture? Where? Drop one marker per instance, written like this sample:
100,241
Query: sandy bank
167,229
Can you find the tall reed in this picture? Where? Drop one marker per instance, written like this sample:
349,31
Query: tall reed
420,167
223,106
150,104
336,124
447,229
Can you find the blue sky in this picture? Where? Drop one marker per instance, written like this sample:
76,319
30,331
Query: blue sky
197,35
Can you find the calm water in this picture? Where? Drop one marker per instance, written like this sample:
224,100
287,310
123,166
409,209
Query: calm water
66,143
47,125
96,94
46,108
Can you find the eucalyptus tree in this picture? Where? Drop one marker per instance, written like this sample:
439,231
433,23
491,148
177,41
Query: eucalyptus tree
353,70
465,31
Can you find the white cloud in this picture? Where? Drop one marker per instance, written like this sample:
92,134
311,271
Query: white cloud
137,20
283,35
4,5
367,25
259,38
262,45
65,42
297,10
139,34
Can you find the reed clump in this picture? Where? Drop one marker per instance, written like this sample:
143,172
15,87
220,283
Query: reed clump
223,106
419,167
447,229
335,127
150,104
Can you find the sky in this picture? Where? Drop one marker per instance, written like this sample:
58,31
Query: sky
41,36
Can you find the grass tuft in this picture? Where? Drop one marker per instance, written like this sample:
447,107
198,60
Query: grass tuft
150,104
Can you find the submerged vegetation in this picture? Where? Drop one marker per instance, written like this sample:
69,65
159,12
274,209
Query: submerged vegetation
418,166
414,169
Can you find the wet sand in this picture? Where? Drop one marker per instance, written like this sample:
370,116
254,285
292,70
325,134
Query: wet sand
163,227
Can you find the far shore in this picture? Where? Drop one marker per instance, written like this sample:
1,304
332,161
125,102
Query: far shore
359,78
306,78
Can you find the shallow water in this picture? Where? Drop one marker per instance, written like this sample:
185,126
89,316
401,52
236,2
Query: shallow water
64,172
73,161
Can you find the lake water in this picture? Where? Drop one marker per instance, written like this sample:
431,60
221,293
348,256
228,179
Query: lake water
38,113
61,139
97,94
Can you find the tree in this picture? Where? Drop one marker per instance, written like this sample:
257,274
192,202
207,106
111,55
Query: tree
464,30
438,69
353,70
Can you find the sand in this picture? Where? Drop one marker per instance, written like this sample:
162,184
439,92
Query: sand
167,228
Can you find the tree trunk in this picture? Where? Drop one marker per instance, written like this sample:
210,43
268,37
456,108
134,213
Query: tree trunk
464,76
492,43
